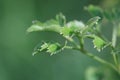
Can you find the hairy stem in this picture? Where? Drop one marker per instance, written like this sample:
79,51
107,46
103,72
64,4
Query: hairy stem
114,40
96,58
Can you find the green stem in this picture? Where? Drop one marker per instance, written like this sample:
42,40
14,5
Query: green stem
93,56
96,58
99,59
72,41
114,40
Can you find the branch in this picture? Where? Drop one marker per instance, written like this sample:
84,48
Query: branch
99,59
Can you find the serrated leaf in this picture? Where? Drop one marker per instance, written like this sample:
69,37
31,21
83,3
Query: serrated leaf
40,48
93,21
53,48
98,43
61,19
44,46
66,31
91,26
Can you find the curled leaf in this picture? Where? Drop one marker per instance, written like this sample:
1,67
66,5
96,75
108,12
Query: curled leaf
93,21
99,43
44,46
54,48
50,25
51,48
72,27
61,19
75,24
37,26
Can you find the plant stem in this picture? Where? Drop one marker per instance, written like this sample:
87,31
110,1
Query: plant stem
99,59
73,42
114,40
93,56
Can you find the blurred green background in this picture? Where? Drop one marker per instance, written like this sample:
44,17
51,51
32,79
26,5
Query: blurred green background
16,46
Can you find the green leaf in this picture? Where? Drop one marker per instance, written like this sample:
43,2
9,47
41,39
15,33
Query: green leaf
99,73
93,73
51,48
40,48
44,46
93,21
61,19
51,22
107,15
94,10
50,25
66,31
72,27
76,25
54,48
37,26
91,26
99,43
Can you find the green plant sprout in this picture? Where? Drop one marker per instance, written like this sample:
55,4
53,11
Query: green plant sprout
77,29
